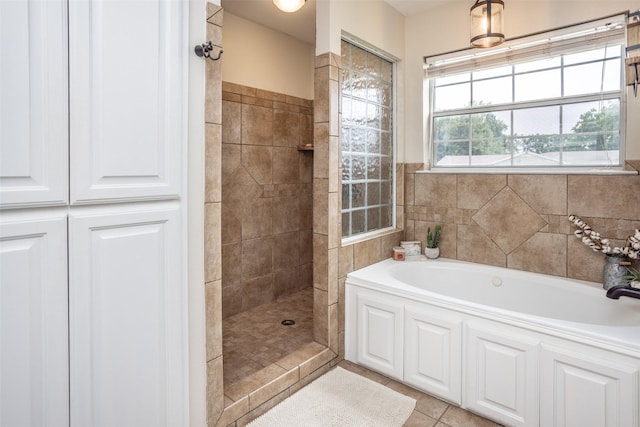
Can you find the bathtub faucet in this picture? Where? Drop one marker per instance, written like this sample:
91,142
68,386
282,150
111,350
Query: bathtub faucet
623,291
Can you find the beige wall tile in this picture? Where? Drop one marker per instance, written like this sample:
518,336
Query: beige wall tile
582,262
321,150
286,214
435,190
231,265
366,253
474,246
474,191
232,122
230,160
257,160
305,246
321,205
231,224
542,253
213,223
256,259
321,92
214,14
213,79
508,220
213,300
320,317
215,391
213,160
320,261
332,276
257,219
257,291
286,281
232,299
604,196
257,125
286,128
546,194
345,260
286,250
285,165
334,328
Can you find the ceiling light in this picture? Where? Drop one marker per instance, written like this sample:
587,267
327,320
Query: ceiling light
487,23
289,5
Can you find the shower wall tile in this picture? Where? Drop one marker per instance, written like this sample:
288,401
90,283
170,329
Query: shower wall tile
213,160
213,299
213,261
267,201
284,161
366,253
435,190
257,160
320,315
215,393
257,124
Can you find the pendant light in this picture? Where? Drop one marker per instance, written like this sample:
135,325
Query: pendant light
289,5
487,23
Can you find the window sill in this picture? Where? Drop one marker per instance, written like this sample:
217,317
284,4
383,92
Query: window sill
532,171
347,241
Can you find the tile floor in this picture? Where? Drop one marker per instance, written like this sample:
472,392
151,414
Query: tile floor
255,340
429,411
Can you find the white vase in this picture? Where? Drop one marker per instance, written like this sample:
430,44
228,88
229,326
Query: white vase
432,253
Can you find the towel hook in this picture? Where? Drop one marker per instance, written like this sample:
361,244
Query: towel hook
205,49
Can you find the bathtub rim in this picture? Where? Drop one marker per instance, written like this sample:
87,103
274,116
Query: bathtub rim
621,339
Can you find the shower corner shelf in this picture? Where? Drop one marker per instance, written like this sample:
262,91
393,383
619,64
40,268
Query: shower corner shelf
305,148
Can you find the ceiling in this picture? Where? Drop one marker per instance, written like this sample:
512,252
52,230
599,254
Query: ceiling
302,24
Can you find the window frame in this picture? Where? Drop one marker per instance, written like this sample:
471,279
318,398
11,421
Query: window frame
545,44
357,42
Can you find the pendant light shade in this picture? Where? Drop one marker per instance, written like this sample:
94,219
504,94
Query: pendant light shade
487,23
289,5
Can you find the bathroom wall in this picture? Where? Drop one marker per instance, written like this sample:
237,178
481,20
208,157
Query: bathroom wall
520,221
267,196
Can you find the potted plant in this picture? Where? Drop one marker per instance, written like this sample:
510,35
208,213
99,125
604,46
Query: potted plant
431,249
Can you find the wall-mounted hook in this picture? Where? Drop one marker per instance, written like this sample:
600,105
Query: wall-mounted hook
205,49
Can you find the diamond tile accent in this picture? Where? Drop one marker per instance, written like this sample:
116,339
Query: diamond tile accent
508,220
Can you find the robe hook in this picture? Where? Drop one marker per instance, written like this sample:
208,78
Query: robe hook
205,49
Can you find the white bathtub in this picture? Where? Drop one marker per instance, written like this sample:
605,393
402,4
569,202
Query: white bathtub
517,347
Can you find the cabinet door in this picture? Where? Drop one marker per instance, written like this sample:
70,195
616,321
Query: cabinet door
501,374
579,390
127,309
33,103
433,352
379,334
128,74
34,374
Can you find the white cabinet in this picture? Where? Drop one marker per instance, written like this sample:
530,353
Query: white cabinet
578,389
104,84
128,74
501,374
34,367
379,334
433,351
33,103
127,310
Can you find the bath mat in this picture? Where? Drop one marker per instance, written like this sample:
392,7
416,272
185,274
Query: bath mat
340,398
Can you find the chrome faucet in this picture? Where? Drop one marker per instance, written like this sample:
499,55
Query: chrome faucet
623,291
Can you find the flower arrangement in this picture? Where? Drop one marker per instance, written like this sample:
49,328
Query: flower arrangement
434,238
591,238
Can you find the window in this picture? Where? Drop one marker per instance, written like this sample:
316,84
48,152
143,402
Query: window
367,141
551,100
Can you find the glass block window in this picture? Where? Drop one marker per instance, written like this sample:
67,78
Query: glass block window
367,141
552,101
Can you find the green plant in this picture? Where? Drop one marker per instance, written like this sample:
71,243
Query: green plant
433,238
633,275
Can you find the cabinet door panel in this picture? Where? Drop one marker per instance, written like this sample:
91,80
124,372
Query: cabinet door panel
502,374
127,315
577,390
33,104
128,98
34,375
379,335
433,352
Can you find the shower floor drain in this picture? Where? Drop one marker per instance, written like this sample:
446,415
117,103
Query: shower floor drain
288,322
